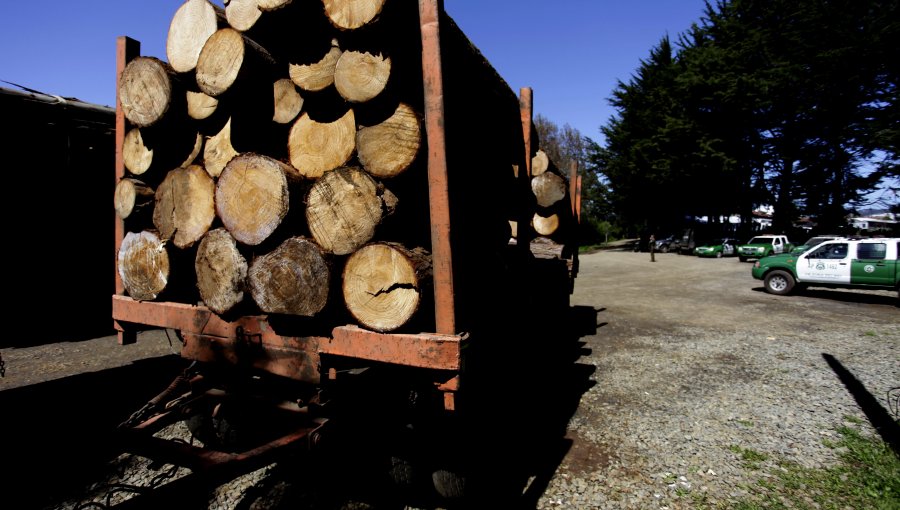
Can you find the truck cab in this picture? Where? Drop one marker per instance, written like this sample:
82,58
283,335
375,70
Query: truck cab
763,246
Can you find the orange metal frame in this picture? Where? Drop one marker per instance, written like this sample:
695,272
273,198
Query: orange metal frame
251,341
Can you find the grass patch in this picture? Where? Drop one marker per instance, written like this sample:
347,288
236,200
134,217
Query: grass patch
867,477
751,458
870,333
745,423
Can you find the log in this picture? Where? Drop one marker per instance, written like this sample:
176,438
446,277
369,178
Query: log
288,102
361,76
387,149
343,208
545,225
227,58
146,149
252,197
293,279
193,23
318,147
548,188
201,106
382,284
352,14
272,5
143,265
218,151
317,75
221,271
147,88
185,209
539,163
131,195
242,14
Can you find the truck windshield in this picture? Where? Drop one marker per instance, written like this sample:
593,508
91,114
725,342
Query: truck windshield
759,240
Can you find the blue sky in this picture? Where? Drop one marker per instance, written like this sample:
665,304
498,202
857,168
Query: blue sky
570,52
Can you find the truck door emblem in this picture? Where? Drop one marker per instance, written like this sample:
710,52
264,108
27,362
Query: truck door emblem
820,266
869,268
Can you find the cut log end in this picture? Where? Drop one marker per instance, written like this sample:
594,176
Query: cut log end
548,189
220,61
145,90
539,163
361,76
143,265
545,225
135,153
185,208
200,106
343,208
317,75
221,271
382,284
352,14
242,14
131,195
317,147
252,197
288,101
293,279
389,148
193,23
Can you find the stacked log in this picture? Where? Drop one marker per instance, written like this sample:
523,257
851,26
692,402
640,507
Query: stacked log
288,164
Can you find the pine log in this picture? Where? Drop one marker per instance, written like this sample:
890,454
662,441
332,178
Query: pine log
221,271
252,197
131,195
383,282
544,248
548,188
351,14
147,89
149,148
288,102
319,74
218,151
361,76
193,23
545,225
185,208
317,147
293,279
539,163
143,265
343,208
513,229
389,148
227,58
242,14
201,106
272,5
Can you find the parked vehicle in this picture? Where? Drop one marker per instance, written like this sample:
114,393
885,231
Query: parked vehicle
840,263
812,242
667,244
763,246
724,247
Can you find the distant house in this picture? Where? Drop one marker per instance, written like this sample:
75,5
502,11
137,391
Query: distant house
885,223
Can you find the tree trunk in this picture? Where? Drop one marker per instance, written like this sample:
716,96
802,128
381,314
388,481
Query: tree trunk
351,14
318,147
389,148
252,197
343,208
382,284
359,77
293,279
319,74
143,265
227,58
221,271
147,89
193,23
288,102
218,151
131,195
185,208
548,188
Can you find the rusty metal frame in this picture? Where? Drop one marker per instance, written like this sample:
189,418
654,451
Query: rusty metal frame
126,50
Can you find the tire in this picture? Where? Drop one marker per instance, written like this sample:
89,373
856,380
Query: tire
664,249
718,254
779,282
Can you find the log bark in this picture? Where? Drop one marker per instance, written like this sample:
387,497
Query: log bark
227,58
548,188
252,197
361,76
221,271
132,195
545,225
352,14
143,264
193,23
146,149
539,163
382,284
218,151
201,106
147,88
293,279
317,75
318,147
387,149
343,208
288,102
185,209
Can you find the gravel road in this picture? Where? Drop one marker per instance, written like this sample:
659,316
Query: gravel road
686,361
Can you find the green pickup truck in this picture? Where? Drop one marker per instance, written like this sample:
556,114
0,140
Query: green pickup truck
840,263
763,246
